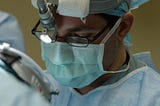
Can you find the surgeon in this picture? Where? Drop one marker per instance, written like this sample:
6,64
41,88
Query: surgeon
10,31
14,92
88,60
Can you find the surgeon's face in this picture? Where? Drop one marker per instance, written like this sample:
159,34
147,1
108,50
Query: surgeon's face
90,27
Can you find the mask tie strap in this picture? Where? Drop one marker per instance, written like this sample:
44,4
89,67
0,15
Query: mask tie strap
114,28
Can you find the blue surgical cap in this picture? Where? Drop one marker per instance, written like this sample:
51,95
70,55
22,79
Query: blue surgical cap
81,8
124,8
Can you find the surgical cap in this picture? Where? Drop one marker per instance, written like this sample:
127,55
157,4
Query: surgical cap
123,7
81,8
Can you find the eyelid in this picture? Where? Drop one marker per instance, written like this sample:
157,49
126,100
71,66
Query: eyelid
81,31
85,33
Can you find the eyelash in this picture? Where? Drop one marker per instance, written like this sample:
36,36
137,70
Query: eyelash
82,35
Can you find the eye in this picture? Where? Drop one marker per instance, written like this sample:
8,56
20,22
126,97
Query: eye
85,33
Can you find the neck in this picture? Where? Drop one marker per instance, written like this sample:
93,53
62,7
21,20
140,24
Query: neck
100,81
120,60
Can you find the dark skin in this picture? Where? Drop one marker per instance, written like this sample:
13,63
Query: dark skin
114,50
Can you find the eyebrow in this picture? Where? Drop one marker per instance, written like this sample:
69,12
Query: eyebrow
80,28
86,30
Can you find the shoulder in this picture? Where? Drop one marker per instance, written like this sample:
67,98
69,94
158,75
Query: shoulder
15,93
146,58
6,17
148,86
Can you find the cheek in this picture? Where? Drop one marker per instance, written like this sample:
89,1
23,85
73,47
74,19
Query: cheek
110,51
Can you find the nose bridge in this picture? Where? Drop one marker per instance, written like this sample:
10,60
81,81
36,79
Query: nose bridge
61,35
60,39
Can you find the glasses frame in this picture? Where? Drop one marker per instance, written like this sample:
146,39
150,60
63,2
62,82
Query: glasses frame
34,30
37,33
89,41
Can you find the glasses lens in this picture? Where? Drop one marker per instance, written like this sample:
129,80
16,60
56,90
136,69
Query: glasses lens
77,41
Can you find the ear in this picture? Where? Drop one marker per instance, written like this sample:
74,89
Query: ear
125,25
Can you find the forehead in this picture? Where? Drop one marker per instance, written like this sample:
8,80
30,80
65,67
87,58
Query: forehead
90,19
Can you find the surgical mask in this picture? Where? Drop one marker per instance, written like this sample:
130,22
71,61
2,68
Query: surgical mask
76,67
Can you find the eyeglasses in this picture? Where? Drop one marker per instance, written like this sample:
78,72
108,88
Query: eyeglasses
72,40
80,41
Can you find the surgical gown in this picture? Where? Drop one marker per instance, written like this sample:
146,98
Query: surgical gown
10,31
15,93
140,86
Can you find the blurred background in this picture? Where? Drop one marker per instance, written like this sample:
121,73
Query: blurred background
145,31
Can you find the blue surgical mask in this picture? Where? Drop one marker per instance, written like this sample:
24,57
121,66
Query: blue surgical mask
73,66
76,67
